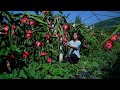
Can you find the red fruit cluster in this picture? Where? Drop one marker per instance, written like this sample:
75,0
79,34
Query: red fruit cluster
64,39
60,35
42,44
29,34
45,12
24,19
55,34
66,27
13,32
47,36
49,60
26,54
6,28
114,37
50,22
32,23
29,31
109,44
13,27
43,53
38,43
66,33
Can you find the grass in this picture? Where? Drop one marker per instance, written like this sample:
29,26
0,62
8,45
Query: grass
56,71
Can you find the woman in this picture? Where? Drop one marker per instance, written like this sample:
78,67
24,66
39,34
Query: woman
74,54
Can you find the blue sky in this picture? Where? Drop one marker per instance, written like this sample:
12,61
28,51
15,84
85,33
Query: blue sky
86,16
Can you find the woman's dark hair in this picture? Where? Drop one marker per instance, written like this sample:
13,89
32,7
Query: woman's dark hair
78,34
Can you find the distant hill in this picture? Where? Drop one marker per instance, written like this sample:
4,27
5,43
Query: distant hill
107,23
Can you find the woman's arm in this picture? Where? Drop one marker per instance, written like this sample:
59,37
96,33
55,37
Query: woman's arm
71,46
74,46
68,44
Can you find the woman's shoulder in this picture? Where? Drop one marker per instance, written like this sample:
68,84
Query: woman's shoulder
71,40
76,41
79,41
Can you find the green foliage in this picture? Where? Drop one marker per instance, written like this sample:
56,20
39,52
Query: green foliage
91,65
4,76
78,20
93,59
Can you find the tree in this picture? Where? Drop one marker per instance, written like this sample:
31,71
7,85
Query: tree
78,20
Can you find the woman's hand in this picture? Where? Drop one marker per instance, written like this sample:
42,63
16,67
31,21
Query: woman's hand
65,44
68,45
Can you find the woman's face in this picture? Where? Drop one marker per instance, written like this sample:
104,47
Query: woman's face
75,36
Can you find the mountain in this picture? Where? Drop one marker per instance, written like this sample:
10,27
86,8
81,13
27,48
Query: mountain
106,24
